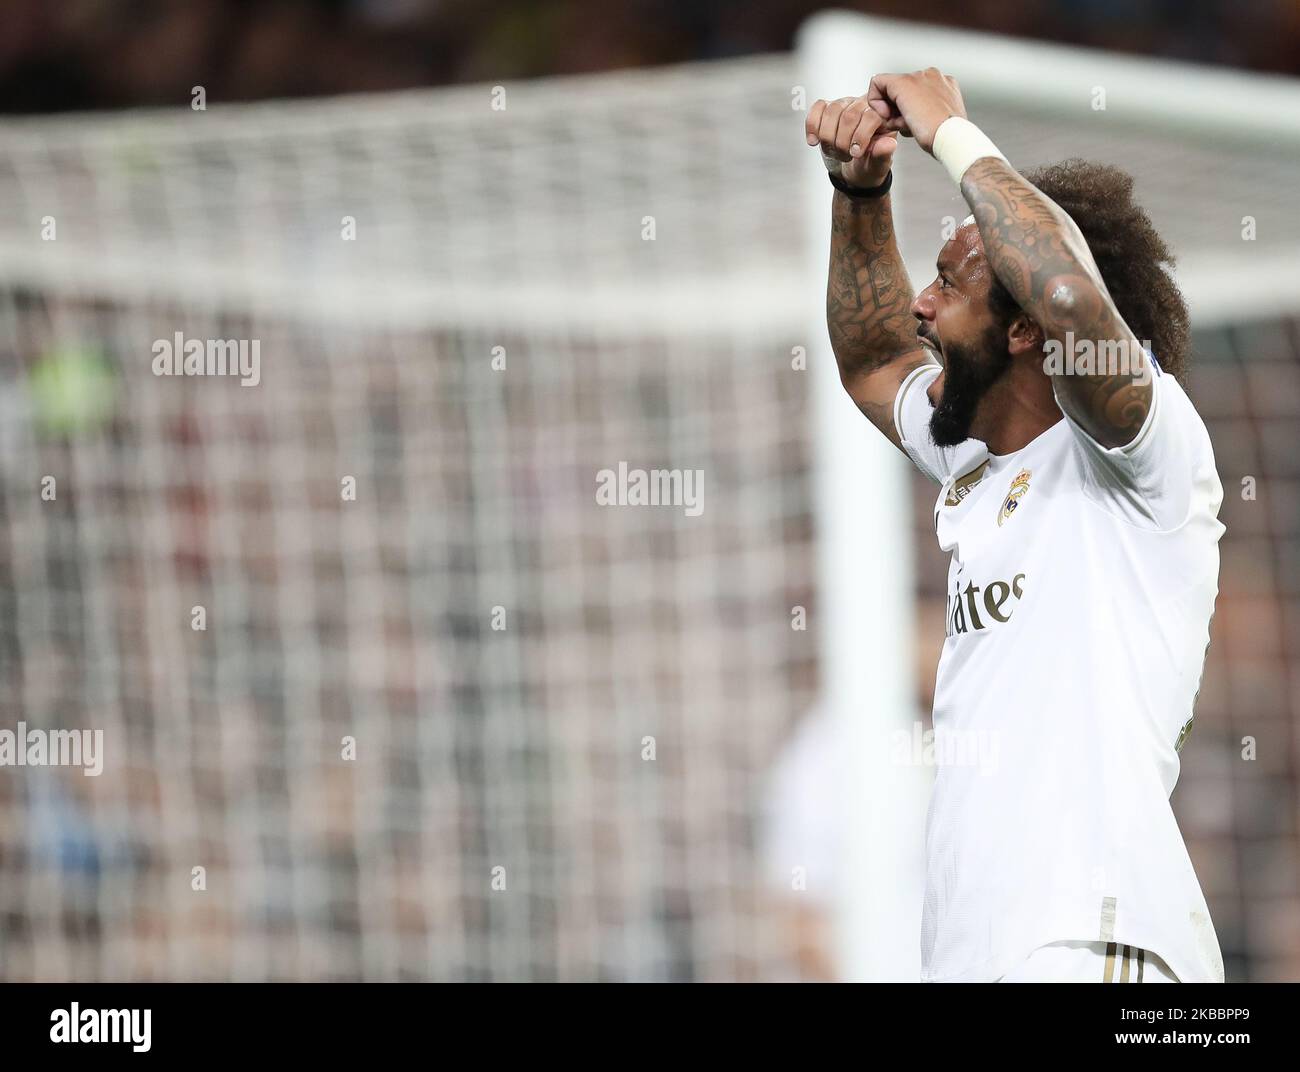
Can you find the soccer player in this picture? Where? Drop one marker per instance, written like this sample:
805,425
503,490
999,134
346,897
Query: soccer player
1036,379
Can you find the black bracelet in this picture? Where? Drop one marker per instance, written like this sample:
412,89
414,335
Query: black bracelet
857,192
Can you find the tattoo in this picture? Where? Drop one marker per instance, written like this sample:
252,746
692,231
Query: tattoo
869,295
879,408
1039,255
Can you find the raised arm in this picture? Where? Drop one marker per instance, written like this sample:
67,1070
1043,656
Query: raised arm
1038,254
1035,250
868,294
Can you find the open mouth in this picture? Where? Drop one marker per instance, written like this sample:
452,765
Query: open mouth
930,345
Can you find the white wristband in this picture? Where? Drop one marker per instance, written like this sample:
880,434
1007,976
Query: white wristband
958,143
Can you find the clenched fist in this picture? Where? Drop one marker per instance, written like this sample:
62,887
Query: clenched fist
851,131
916,104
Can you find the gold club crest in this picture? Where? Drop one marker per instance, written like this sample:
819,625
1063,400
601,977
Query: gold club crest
1018,488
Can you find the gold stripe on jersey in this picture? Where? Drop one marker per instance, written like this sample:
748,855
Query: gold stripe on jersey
964,485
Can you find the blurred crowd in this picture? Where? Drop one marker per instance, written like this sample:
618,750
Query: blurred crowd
89,54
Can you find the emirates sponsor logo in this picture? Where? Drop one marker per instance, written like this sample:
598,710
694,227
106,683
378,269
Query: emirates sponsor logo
975,608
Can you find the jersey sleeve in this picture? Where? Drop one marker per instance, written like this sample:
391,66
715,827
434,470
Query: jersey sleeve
1153,480
912,412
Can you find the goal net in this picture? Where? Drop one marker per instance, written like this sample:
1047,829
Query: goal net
364,640
398,673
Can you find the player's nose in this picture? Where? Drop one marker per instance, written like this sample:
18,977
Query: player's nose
923,304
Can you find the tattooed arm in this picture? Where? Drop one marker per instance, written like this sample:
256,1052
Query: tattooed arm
1039,255
868,297
868,293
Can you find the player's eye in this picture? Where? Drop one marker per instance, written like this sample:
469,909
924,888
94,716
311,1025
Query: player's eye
944,284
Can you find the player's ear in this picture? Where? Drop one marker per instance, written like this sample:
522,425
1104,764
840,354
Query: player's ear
1024,336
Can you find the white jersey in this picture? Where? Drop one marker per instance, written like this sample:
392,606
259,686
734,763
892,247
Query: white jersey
1080,591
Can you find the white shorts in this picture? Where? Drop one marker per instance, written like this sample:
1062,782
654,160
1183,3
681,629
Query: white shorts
1090,962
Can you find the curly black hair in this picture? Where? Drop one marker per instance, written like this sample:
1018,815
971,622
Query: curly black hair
1133,259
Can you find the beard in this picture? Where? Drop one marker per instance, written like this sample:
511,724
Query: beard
968,373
